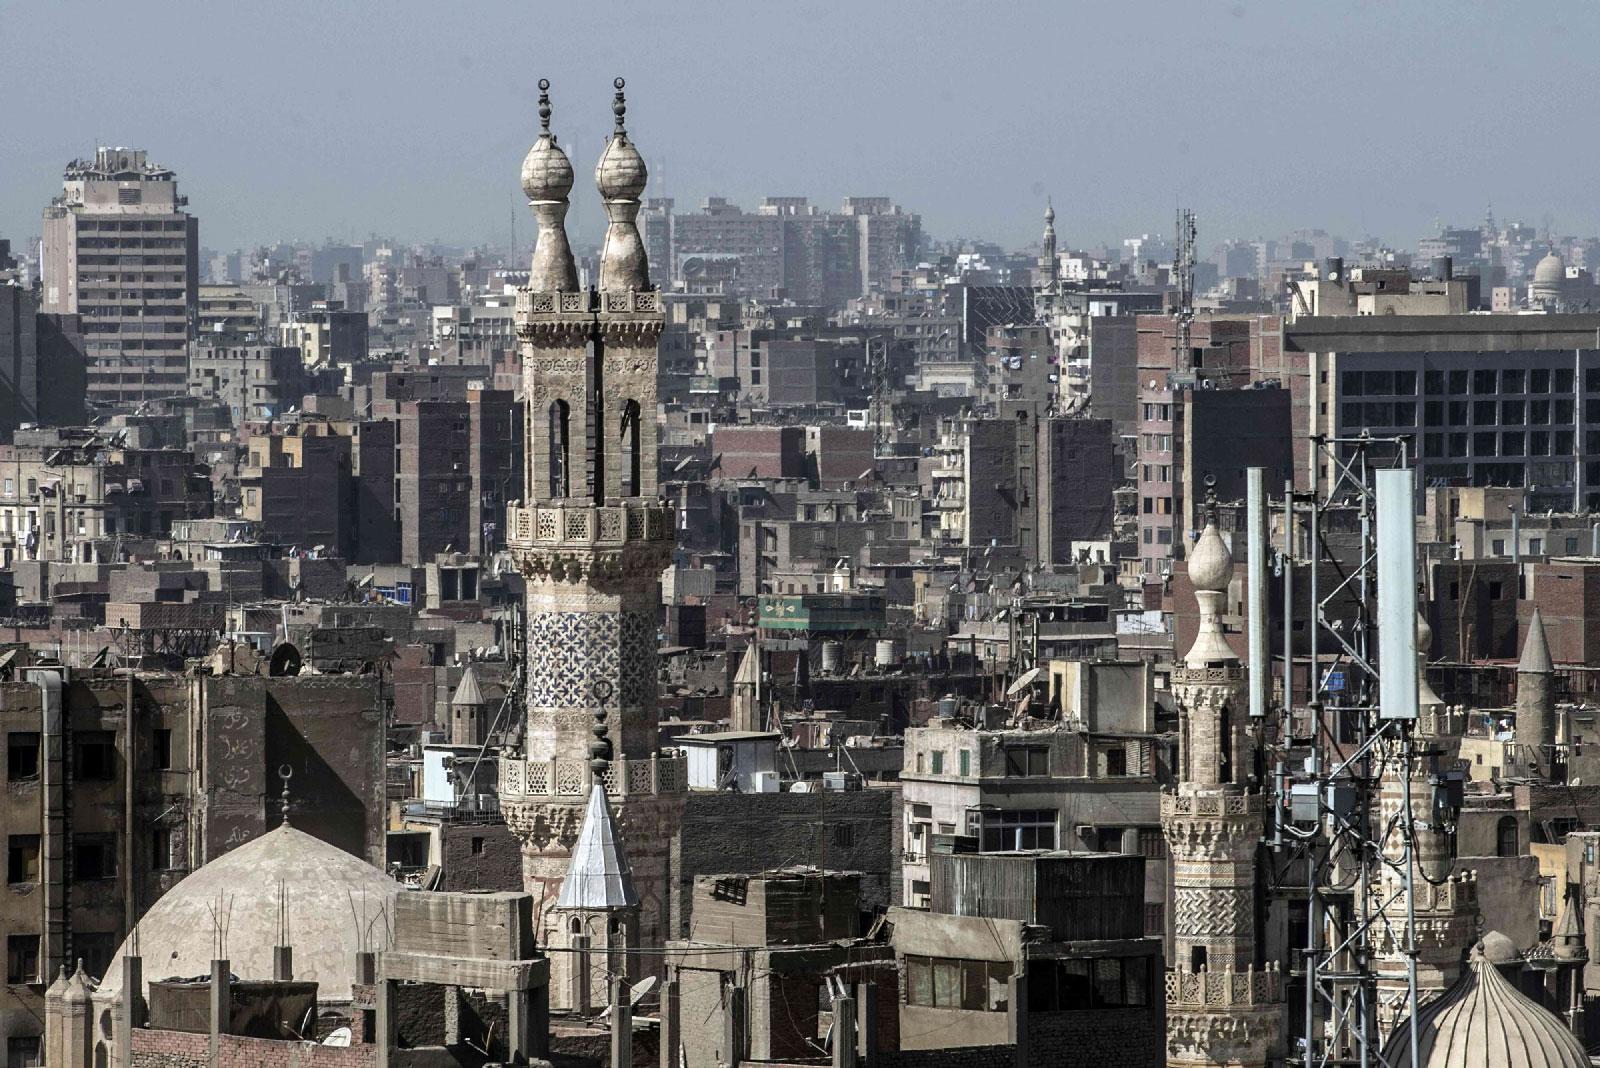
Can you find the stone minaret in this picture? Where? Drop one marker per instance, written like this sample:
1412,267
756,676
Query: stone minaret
591,541
1536,705
1048,270
1221,1007
1446,906
468,711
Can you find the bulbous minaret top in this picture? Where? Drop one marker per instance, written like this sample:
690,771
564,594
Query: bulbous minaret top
1210,570
547,178
620,176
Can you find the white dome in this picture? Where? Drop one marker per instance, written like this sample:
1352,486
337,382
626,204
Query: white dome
546,171
621,173
1485,1022
1550,271
333,898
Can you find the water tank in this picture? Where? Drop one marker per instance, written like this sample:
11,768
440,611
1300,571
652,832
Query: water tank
1443,268
887,653
832,658
1333,269
948,706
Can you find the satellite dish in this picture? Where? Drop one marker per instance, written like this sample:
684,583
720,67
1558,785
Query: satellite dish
638,994
339,1036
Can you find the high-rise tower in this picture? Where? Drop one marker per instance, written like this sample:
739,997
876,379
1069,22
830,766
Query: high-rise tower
591,540
1221,1007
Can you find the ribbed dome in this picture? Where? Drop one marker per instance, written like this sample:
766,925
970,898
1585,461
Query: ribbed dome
1550,270
546,171
1485,1022
1210,563
336,903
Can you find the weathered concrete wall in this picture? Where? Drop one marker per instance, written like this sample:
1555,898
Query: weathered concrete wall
480,856
744,834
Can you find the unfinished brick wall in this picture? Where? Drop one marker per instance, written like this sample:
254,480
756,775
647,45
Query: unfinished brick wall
182,1049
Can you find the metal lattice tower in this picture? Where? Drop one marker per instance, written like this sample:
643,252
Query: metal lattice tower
1360,812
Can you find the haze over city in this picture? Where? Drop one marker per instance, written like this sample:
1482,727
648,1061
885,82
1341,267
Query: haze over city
299,120
754,535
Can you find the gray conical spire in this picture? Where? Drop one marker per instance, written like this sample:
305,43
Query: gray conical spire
599,877
468,692
1567,938
1536,650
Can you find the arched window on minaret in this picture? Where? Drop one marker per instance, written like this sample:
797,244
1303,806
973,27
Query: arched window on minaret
1225,743
560,449
630,450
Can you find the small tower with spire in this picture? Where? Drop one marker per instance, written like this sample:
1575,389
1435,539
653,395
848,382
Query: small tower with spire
1049,272
596,915
744,711
468,710
1536,705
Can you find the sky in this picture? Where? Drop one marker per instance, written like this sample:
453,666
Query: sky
292,119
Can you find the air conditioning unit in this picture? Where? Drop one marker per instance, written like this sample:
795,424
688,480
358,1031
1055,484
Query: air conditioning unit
840,781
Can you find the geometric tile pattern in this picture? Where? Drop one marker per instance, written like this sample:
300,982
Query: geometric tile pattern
576,657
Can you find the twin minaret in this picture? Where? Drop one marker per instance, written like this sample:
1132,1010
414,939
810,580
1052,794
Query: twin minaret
591,541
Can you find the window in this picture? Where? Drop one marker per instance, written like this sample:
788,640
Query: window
964,761
477,845
22,858
1116,762
22,756
161,849
22,958
1102,983
949,983
1155,919
1027,760
22,1051
1505,835
938,762
161,750
1152,843
95,948
1019,829
94,856
844,836
94,756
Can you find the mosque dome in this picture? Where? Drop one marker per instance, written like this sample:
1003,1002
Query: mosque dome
621,173
1210,562
1485,1022
337,903
1550,271
546,172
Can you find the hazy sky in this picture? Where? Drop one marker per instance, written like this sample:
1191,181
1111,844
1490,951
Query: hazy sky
344,117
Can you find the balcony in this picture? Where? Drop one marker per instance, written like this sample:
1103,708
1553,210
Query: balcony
583,525
483,808
521,779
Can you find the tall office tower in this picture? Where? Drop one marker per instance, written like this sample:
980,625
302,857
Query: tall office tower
591,541
120,251
1221,1007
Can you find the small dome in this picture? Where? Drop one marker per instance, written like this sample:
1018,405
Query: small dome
621,173
1485,1022
337,904
546,172
1210,563
1499,949
1550,270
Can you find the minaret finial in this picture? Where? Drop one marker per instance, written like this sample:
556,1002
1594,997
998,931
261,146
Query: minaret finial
619,108
544,107
600,748
285,772
1210,498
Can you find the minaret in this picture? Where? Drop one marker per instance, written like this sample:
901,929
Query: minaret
1566,943
1536,705
1048,269
468,710
597,911
1221,1007
744,710
591,542
1445,905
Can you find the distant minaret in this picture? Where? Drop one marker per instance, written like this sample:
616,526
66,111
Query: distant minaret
1221,1007
467,711
1536,705
591,542
1048,270
744,712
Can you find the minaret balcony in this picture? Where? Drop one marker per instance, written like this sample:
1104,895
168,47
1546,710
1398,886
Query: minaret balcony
576,524
531,303
1223,990
527,780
